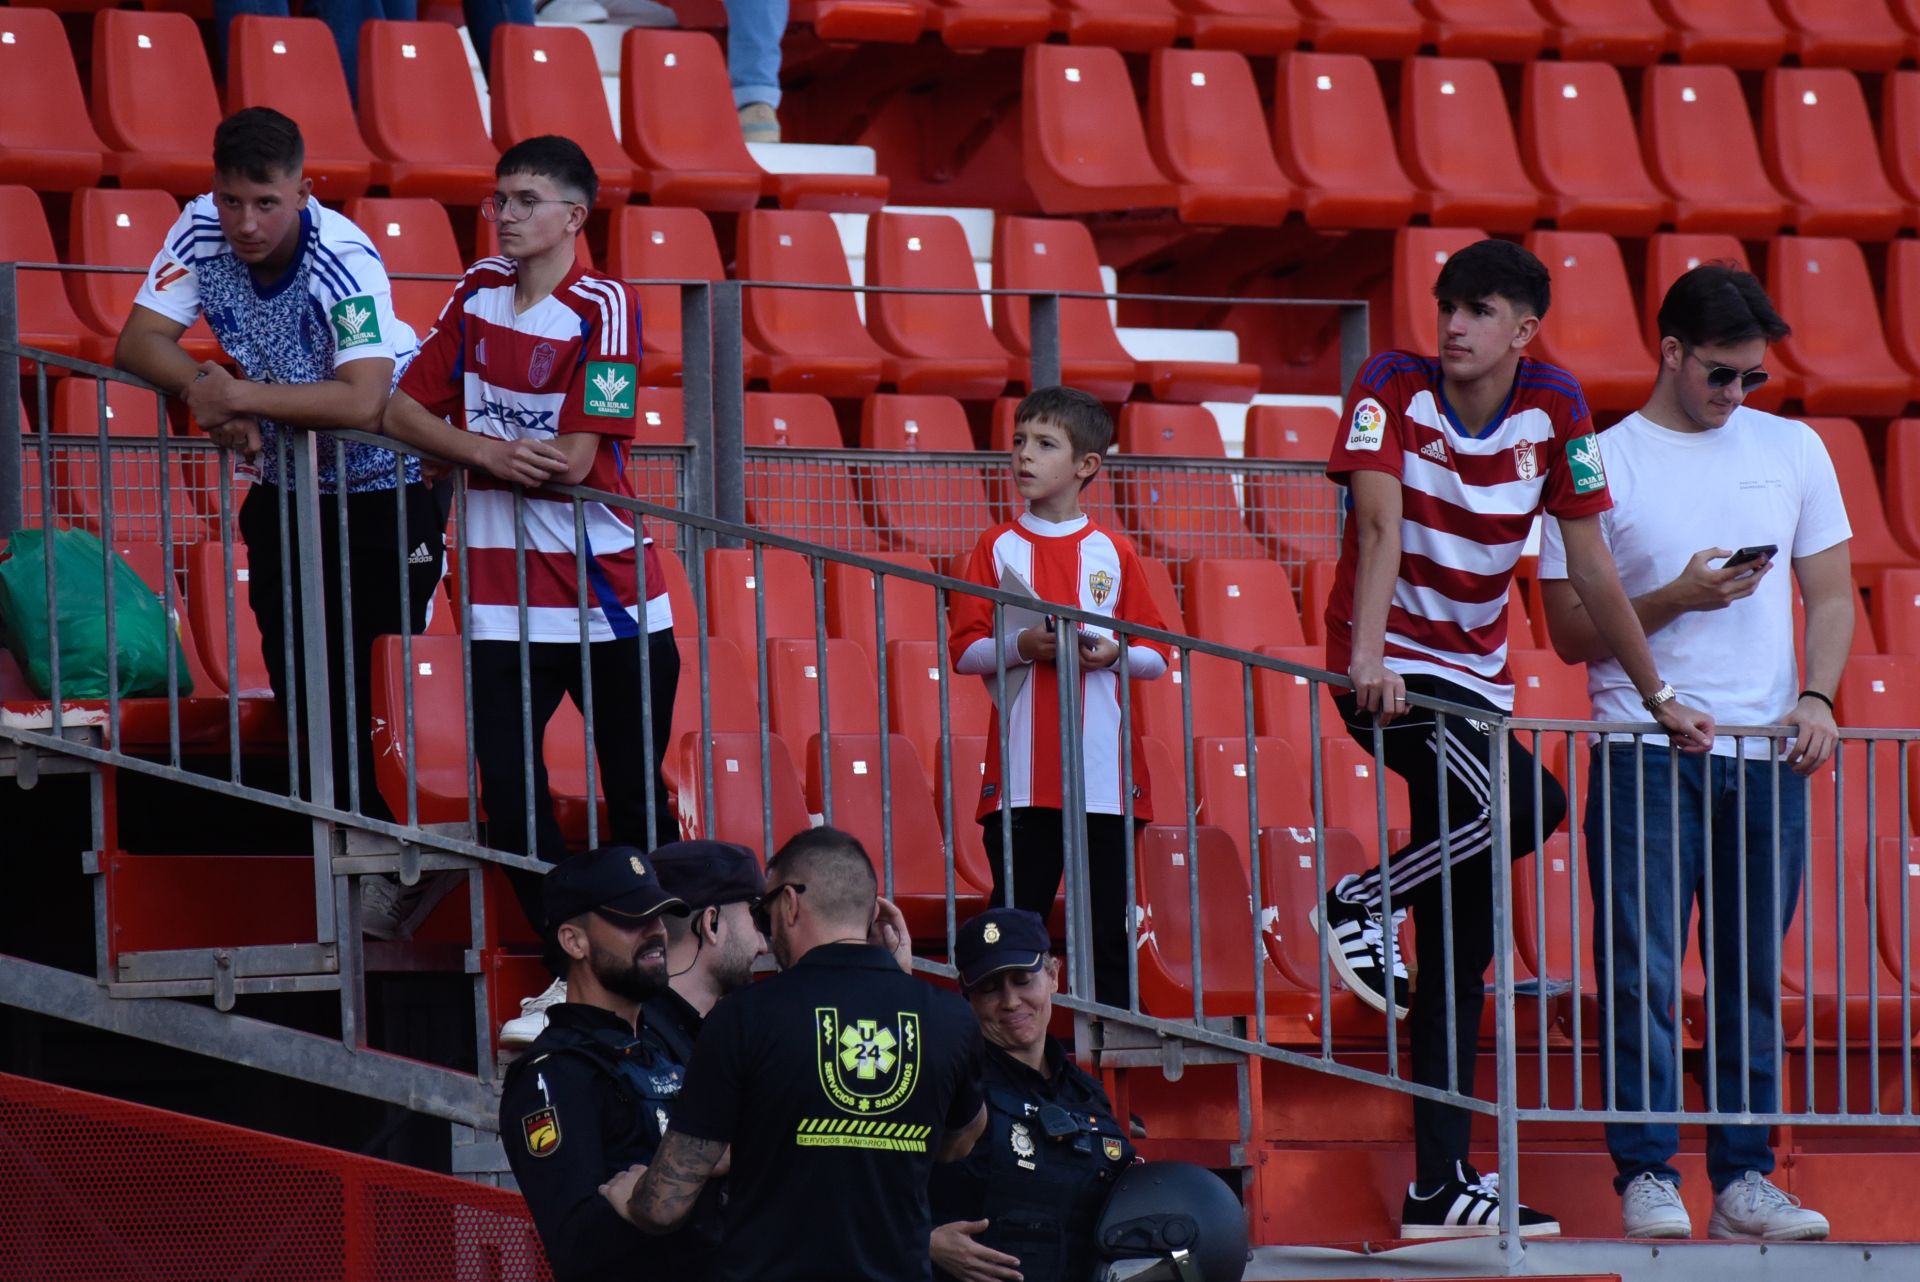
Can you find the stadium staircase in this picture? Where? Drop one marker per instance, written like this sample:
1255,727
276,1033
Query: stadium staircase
1237,151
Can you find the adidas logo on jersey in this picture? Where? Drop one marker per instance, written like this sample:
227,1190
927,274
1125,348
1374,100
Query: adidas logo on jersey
1436,449
420,556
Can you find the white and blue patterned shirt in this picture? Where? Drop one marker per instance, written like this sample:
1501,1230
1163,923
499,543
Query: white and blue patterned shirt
332,305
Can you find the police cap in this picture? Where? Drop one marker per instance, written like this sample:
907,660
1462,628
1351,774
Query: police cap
1000,939
707,874
618,882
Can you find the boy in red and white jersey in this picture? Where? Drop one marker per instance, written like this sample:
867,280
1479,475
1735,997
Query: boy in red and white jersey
1448,460
537,358
1060,437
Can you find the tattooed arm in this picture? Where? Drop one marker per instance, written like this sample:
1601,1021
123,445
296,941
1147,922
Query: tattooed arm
658,1198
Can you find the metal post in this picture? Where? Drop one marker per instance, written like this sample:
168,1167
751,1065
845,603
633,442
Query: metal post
1355,340
1044,338
696,389
305,457
1507,1074
729,407
11,500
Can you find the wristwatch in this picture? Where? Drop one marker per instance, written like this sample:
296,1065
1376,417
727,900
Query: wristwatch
1664,695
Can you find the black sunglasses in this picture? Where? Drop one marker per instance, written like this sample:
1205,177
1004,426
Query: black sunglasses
1720,376
762,908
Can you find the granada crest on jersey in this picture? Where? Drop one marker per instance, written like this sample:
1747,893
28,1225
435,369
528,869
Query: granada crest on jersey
867,1066
1526,463
1368,426
540,365
1100,586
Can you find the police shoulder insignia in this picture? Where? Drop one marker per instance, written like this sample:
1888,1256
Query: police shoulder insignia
541,1129
1112,1149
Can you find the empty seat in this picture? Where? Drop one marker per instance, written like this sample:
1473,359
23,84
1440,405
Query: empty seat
1896,611
546,80
915,671
1282,701
412,234
1627,32
1352,793
991,24
1316,589
441,749
209,588
862,21
1227,780
1387,29
1900,134
1577,135
813,339
662,243
1057,254
1860,34
739,792
1083,146
1134,25
1294,433
1418,255
731,707
1198,104
793,690
969,772
1854,999
1456,138
47,319
1699,142
1837,349
1168,868
1331,133
852,612
153,99
1902,481
937,509
804,498
1873,545
1544,686
1820,148
1502,30
121,227
1733,33
1245,26
1243,604
937,343
419,114
787,591
135,471
46,140
1296,514
1584,333
1179,512
293,66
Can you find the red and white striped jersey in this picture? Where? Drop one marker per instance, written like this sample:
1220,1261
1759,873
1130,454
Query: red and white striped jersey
1468,503
566,364
1079,564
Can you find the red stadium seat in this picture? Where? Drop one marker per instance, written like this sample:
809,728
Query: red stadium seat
1219,689
1873,545
419,113
1180,514
731,707
661,243
1196,106
136,474
1245,26
1294,433
937,343
793,690
991,24
862,21
1282,705
1821,151
787,590
121,227
1901,478
208,591
1900,135
1577,134
412,234
1860,35
1735,33
969,847
1501,30
1897,909
686,620
1837,349
1545,686
935,509
293,66
1896,611
1670,256
1626,32
1386,29
1166,601
1352,796
1137,26
1584,333
1279,788
1244,604
911,611
1456,139
546,80
1049,254
740,792
1084,146
1227,927
1699,143
440,747
1854,998
1331,132
807,498
1418,255
153,99
813,339
1316,589
1169,431
47,141
915,670
47,319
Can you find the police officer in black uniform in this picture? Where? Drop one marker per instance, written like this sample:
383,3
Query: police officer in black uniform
836,1084
580,1104
1024,1202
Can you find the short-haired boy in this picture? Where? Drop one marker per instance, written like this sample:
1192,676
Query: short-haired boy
1060,438
536,356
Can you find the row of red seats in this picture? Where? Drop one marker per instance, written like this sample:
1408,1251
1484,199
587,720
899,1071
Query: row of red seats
1575,161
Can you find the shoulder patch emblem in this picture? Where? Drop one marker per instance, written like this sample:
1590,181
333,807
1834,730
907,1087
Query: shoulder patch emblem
1368,426
541,1130
609,391
1100,586
168,273
356,322
1111,1149
1583,457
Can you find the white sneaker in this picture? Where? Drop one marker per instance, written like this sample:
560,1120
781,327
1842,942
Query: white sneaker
640,13
554,13
759,123
389,910
532,1020
1754,1207
1651,1207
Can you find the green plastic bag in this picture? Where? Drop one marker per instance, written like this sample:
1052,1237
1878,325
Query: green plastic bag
139,619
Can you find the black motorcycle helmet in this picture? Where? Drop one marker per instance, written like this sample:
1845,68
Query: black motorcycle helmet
1180,1220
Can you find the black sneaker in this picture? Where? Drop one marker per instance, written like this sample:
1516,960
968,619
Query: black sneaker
1467,1205
1363,951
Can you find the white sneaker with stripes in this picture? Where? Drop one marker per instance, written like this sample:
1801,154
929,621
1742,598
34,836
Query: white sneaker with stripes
1363,950
1468,1205
532,1019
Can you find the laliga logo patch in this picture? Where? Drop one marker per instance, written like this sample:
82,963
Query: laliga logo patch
1368,427
1526,464
1100,584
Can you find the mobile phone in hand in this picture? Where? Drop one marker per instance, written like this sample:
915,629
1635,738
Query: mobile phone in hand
1750,555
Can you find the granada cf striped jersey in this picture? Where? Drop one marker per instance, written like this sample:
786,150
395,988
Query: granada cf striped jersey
1075,563
1468,502
566,364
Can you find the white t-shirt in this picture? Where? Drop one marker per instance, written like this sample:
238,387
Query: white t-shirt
1759,479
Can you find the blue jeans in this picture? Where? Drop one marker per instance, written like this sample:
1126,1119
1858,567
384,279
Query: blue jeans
484,15
1711,822
754,30
345,17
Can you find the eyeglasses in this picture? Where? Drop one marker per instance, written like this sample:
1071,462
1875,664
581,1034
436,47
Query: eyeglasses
515,208
1720,376
762,908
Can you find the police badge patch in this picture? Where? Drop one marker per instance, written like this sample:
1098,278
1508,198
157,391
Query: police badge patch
541,1129
1111,1149
1022,1140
